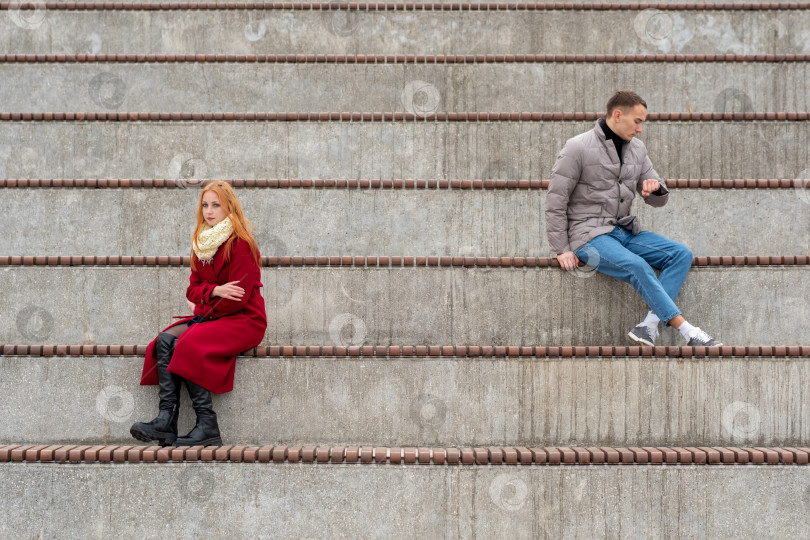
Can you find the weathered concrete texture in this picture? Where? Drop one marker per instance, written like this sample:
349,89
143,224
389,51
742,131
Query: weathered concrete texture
667,87
492,223
611,401
381,150
294,501
313,32
416,306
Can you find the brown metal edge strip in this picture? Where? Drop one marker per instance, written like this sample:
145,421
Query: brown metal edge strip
373,261
437,59
387,117
396,183
436,351
404,6
356,454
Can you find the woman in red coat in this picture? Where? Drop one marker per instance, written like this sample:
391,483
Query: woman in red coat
229,318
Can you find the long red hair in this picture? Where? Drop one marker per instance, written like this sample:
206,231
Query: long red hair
242,228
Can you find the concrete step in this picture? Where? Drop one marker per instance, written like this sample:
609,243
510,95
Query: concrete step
560,86
610,400
417,32
305,222
740,305
304,500
298,149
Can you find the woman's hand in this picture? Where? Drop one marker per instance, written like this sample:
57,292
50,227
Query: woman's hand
229,291
191,306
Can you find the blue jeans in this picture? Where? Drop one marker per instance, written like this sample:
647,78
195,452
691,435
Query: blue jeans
631,259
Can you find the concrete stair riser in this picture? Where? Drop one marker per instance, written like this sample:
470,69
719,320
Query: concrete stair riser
413,306
307,500
450,401
711,149
313,222
667,87
352,32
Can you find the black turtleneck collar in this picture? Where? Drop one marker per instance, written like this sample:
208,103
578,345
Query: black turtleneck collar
617,141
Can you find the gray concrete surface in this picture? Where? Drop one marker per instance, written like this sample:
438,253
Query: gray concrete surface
381,150
492,223
339,32
294,501
667,87
416,306
593,401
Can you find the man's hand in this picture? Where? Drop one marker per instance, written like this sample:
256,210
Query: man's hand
649,186
567,260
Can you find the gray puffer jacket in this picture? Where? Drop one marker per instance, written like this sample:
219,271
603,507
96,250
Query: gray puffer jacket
591,192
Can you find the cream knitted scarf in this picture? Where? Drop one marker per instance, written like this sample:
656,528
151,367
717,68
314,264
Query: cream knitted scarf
209,240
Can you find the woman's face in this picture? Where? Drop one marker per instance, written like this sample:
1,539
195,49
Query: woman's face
212,210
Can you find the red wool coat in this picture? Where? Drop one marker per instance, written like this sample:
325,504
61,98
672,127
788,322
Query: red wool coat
206,353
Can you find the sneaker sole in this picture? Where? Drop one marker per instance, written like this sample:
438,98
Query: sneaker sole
639,340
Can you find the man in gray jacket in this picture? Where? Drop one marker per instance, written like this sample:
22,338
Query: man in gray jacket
593,183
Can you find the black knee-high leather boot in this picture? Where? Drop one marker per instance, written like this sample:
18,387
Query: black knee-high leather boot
163,428
206,431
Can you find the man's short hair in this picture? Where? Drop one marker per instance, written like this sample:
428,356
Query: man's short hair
624,99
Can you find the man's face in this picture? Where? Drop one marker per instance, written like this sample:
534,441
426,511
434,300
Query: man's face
627,122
